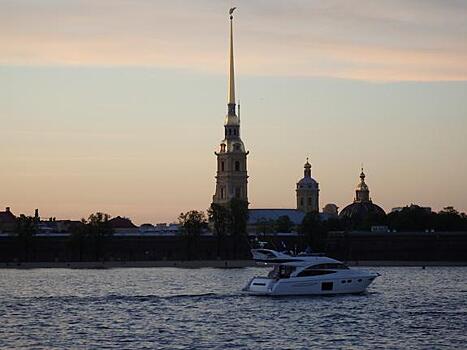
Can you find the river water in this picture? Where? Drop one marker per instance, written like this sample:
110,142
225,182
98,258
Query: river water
170,308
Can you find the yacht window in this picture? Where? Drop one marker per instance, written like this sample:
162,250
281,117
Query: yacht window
327,285
359,280
332,266
314,272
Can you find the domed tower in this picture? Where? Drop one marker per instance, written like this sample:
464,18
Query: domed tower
362,193
307,192
231,178
362,206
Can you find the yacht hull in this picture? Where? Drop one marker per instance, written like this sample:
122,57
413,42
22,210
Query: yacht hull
340,283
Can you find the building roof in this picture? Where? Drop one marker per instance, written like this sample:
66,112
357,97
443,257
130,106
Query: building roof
296,216
119,222
7,217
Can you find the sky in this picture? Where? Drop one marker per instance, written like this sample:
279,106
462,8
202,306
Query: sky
118,106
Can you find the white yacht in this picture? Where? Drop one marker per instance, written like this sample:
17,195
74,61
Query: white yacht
306,275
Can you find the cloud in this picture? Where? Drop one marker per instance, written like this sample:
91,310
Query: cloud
367,40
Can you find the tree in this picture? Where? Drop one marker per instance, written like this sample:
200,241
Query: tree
265,226
26,228
411,218
192,223
238,223
314,230
284,224
78,238
219,216
239,216
449,219
98,230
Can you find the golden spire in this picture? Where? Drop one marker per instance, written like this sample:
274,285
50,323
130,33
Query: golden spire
231,71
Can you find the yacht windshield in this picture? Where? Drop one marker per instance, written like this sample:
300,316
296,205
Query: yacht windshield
281,271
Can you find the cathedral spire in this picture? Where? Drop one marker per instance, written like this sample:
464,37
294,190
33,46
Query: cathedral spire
231,102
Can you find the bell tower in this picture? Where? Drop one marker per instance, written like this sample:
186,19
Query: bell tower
307,191
231,178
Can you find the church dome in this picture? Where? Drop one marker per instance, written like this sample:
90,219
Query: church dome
361,210
307,181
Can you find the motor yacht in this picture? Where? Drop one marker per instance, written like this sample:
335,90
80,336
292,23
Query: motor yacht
302,274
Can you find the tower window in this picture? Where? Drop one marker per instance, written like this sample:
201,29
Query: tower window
235,132
301,202
237,192
222,166
309,200
222,192
237,165
230,131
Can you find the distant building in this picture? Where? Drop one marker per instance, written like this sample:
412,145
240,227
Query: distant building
7,220
307,192
331,210
119,222
362,206
411,206
257,215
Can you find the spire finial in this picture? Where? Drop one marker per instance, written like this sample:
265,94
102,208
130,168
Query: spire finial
307,167
231,101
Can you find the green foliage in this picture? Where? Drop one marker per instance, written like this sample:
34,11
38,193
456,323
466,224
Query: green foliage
98,225
283,224
450,219
26,226
416,218
314,230
265,226
239,216
219,215
193,222
92,235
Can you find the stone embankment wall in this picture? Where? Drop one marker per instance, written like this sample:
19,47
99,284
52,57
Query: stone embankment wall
346,246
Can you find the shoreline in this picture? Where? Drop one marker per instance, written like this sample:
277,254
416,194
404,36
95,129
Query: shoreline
194,264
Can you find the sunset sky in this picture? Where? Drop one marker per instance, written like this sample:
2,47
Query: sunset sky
118,106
